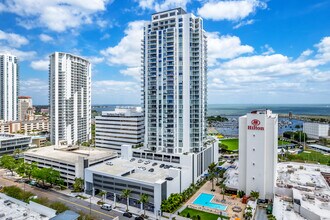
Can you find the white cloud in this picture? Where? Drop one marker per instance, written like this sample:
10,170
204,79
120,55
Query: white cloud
273,74
162,4
57,15
45,38
244,23
108,86
22,55
268,50
41,65
35,85
324,49
231,10
128,51
132,71
12,39
307,53
224,47
95,60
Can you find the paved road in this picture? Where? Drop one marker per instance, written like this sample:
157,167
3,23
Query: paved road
73,203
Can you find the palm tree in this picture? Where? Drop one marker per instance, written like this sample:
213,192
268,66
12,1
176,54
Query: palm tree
223,188
211,171
102,194
144,198
126,193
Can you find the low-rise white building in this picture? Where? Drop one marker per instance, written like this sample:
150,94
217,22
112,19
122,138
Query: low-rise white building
124,125
315,130
70,161
156,174
258,134
11,142
307,189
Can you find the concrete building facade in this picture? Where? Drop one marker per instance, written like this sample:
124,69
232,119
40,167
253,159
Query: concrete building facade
70,161
258,136
174,79
24,104
10,142
26,127
316,130
155,174
124,125
9,87
69,98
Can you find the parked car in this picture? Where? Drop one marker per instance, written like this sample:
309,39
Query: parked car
128,214
162,165
154,164
32,183
106,206
139,218
140,161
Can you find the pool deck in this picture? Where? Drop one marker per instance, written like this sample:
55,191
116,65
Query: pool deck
230,202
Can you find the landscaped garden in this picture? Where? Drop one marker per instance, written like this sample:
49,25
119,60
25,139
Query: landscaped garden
193,214
310,156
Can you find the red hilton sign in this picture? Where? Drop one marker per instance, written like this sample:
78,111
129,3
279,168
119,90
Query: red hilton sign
255,125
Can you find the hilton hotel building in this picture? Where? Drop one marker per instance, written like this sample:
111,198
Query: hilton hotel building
258,133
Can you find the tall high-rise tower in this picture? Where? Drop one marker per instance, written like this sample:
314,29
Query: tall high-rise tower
9,76
174,82
258,132
69,98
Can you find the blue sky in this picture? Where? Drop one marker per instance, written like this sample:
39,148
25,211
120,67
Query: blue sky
258,51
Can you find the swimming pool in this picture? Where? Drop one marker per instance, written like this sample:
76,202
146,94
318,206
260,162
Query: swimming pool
205,199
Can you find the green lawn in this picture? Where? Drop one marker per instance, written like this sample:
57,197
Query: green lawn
313,156
283,142
203,215
231,143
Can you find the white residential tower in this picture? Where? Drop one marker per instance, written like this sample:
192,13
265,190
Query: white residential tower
9,76
69,98
174,79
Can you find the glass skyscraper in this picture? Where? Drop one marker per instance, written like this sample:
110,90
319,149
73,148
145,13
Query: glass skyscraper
174,82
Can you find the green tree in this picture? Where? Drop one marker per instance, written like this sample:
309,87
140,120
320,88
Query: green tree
53,176
29,168
211,171
240,193
102,193
126,193
9,163
40,174
254,195
144,199
78,185
59,207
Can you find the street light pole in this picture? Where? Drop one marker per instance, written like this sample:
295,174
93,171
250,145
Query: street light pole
90,205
